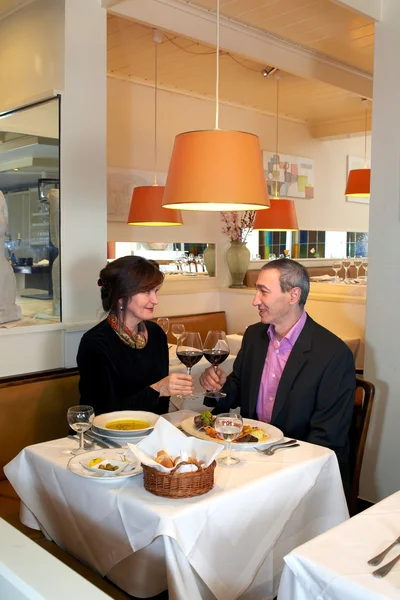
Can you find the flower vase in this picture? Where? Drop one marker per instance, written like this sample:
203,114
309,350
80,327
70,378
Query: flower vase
209,259
238,258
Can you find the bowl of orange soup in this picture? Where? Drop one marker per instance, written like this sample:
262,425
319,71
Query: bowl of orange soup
125,423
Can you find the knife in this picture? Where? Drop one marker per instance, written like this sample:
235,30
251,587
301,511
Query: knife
102,442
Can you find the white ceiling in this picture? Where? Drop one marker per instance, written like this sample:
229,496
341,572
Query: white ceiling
188,65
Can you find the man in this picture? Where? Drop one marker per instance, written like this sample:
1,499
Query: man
290,371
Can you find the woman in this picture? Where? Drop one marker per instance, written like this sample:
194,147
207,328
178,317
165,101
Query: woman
123,361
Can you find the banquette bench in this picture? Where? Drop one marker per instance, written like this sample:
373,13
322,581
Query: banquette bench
201,322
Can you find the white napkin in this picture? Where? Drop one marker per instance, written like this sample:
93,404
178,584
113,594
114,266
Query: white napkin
322,278
167,437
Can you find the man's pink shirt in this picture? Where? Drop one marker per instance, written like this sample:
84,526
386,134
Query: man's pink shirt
276,359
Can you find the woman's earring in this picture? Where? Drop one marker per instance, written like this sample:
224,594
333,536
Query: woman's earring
121,307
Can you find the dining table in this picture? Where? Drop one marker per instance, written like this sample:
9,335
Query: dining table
226,544
334,565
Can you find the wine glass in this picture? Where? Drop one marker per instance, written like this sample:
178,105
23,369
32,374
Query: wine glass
364,265
336,266
346,262
80,419
189,351
357,263
228,426
216,350
177,329
163,322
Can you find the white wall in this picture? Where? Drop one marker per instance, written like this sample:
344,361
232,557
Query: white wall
381,469
31,52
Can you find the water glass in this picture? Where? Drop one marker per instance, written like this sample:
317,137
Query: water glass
177,329
80,419
163,322
228,426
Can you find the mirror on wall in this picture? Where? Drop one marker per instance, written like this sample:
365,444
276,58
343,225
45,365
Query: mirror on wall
29,183
188,259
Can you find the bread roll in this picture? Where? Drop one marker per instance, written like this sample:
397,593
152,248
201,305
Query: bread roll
164,459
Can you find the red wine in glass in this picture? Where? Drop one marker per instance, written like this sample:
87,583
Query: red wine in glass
215,350
189,351
189,357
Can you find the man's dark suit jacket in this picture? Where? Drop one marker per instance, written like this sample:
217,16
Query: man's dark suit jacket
315,397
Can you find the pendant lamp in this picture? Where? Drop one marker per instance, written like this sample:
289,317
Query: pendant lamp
146,204
359,180
216,170
282,213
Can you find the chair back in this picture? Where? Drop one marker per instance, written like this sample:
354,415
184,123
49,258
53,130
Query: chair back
363,401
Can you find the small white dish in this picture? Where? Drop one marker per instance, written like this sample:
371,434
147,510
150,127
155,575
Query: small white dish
127,463
103,472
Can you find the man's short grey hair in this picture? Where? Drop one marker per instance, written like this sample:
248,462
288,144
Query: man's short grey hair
292,274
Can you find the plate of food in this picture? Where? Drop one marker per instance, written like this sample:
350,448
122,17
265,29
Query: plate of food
125,423
255,433
105,465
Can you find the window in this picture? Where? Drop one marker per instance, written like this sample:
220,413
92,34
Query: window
313,244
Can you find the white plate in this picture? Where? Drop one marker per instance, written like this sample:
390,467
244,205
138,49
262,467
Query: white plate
75,465
101,420
135,439
274,434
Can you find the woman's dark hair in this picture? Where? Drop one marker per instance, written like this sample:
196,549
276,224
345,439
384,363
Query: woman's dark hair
126,276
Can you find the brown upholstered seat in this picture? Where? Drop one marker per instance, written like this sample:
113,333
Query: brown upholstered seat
201,322
364,398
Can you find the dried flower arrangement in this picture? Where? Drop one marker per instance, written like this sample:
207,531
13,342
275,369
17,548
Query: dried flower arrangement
237,225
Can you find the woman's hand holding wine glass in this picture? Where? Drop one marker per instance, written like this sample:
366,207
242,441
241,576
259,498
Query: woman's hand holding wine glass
216,350
80,419
228,426
189,351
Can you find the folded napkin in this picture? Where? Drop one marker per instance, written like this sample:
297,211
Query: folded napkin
166,436
322,278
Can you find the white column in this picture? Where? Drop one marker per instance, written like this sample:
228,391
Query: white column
83,160
381,470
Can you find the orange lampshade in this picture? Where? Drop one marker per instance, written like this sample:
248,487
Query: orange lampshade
358,183
216,170
146,208
280,217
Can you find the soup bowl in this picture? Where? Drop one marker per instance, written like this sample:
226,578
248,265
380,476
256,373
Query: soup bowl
125,423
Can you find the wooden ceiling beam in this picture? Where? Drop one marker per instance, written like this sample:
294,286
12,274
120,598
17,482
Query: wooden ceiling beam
372,9
187,20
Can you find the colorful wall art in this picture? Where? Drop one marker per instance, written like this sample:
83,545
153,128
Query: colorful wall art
295,175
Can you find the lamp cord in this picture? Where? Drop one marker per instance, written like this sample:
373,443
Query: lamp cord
217,74
276,161
155,110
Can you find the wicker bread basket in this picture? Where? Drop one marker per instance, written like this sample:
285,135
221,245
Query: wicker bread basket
179,485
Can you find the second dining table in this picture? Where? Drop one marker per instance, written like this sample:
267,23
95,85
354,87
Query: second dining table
224,545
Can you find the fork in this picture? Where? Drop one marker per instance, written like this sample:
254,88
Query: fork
376,560
382,571
276,446
271,452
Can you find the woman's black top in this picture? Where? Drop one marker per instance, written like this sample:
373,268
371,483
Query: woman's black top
114,376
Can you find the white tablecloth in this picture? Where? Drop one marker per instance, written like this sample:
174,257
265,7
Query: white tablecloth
226,544
334,565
